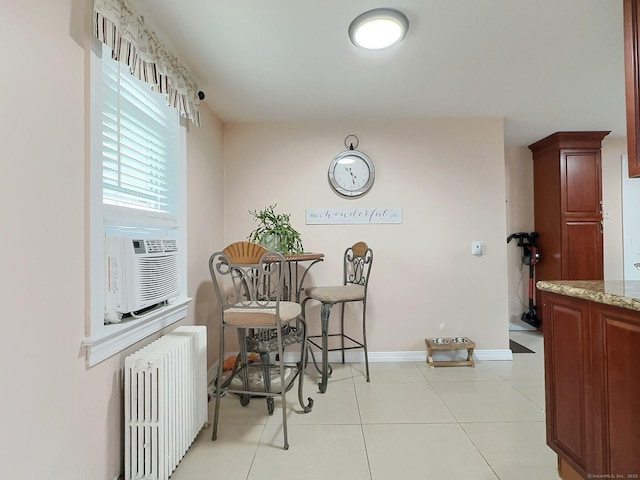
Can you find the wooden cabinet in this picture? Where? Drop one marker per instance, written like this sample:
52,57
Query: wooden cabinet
616,337
567,197
592,385
632,82
568,376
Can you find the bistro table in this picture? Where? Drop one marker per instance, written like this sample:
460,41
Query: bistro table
293,288
294,278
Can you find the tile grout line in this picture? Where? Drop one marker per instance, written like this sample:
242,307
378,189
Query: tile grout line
456,419
364,438
255,451
459,423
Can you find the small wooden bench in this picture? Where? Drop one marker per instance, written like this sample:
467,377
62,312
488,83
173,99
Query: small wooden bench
450,343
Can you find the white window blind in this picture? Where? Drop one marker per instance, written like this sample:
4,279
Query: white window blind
140,147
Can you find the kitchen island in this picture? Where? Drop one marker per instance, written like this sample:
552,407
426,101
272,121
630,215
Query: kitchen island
592,376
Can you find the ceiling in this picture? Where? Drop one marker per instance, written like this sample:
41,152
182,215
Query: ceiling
543,65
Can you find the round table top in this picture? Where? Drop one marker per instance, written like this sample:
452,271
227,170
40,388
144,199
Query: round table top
300,257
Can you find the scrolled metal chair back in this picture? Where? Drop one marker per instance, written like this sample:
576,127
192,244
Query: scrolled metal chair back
247,275
358,260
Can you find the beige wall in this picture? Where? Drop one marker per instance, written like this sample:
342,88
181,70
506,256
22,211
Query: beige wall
612,150
519,185
519,180
447,175
205,205
62,420
59,419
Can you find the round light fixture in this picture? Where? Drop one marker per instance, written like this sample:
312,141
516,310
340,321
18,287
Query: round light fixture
378,28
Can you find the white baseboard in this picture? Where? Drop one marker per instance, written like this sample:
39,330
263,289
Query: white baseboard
521,326
497,354
411,356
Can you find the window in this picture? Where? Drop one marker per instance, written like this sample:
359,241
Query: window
139,144
137,189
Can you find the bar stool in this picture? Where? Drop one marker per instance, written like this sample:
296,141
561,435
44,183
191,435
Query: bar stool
357,263
249,289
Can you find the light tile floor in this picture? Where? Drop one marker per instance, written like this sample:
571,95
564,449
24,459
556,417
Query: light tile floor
411,421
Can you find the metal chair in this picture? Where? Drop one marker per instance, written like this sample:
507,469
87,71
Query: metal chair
248,281
357,263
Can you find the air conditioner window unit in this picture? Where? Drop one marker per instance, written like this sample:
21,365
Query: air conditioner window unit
140,273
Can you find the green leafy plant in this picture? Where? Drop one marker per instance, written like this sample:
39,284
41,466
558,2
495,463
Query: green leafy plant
274,231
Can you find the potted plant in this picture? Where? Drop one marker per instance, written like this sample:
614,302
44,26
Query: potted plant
274,231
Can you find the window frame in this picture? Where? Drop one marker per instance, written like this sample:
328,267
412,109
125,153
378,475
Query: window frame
105,340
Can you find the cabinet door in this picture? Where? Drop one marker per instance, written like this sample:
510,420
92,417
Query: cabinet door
567,363
617,337
582,250
581,183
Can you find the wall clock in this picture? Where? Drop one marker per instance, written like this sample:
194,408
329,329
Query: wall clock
351,172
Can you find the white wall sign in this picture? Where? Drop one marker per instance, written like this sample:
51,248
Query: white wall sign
352,216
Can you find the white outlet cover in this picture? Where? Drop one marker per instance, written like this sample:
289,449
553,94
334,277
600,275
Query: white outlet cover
477,248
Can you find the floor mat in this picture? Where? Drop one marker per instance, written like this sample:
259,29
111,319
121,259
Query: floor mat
517,348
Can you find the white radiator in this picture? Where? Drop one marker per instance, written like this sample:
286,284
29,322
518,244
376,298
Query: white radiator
165,402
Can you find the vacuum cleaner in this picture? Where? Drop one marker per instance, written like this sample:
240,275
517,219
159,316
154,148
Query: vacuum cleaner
530,257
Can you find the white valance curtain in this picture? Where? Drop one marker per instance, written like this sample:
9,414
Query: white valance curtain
117,25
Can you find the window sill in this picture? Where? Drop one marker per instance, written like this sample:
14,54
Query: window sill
116,337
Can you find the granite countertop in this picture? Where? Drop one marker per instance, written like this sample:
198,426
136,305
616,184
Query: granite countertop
619,293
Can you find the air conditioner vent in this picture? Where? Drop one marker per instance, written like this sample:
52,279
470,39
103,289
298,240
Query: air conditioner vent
140,274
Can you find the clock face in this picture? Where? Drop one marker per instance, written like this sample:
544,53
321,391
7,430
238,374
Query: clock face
351,173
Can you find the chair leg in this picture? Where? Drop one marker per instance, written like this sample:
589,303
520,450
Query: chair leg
301,368
265,360
244,366
325,312
283,389
342,330
313,359
307,343
218,386
364,340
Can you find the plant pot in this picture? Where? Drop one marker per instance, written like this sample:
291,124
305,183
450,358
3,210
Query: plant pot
271,242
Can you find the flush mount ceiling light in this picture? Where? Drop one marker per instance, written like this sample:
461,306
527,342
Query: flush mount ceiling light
378,28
